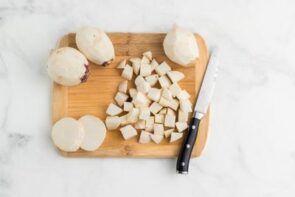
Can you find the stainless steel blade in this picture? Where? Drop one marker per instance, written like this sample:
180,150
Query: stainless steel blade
208,85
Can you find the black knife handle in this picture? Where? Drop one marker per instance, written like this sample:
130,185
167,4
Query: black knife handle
187,147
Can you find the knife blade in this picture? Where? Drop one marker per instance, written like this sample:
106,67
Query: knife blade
201,107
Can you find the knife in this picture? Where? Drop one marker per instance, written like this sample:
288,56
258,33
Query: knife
201,106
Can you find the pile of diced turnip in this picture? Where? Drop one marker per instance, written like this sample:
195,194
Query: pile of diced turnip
157,108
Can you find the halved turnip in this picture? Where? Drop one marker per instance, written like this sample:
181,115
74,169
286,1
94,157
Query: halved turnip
95,45
67,134
95,132
67,66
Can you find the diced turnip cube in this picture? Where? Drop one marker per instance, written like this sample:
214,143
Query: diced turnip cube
163,111
140,124
159,118
113,122
175,76
139,80
158,129
170,112
127,106
120,98
166,93
155,107
183,95
145,60
132,92
144,113
122,64
168,132
186,105
128,132
123,86
154,64
140,100
174,104
149,124
123,120
152,79
136,62
143,87
175,136
113,110
154,94
157,138
148,54
181,126
175,89
164,81
145,69
164,102
144,137
132,116
127,72
162,69
170,120
182,116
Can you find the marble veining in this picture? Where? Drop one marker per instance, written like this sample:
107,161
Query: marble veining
250,150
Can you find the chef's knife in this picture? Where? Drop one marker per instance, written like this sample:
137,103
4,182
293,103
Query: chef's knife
201,106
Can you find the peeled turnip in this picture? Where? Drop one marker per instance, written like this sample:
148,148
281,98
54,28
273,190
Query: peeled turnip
68,134
95,45
181,46
95,132
67,66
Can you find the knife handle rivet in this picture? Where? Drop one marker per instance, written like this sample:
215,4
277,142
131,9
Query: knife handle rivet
188,146
182,163
193,127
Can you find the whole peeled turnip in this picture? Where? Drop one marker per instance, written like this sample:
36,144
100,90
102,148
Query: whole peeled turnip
181,46
95,45
67,66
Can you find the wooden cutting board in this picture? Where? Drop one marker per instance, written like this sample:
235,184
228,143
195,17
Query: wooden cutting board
94,96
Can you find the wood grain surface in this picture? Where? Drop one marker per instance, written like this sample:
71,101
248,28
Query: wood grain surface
94,96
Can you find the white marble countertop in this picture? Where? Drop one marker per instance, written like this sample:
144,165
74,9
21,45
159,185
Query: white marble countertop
251,145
